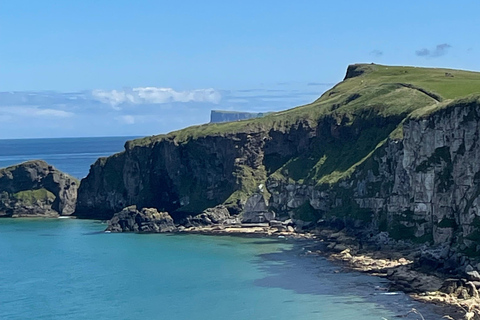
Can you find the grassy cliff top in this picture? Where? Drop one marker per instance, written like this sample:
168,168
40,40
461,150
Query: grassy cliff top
367,90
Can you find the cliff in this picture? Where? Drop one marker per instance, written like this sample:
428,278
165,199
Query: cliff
35,188
217,116
389,149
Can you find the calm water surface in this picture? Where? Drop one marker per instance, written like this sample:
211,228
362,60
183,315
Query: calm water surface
69,269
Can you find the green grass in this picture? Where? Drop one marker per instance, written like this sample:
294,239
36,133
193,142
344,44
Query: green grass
381,89
433,80
30,197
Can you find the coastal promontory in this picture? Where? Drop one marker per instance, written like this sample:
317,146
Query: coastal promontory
389,150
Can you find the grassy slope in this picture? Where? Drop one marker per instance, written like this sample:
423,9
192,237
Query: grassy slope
373,84
372,91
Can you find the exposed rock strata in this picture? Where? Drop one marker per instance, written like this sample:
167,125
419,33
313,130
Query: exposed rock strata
35,188
424,188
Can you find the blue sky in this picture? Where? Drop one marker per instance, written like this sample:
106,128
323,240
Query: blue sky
253,55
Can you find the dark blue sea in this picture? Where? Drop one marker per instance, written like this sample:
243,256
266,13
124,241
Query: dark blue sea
71,155
70,269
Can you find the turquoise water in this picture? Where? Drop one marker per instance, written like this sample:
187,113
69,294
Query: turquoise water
69,269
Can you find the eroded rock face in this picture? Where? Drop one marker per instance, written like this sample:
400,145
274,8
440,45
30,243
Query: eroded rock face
35,188
147,220
423,188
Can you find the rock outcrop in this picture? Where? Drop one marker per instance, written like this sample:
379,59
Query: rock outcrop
146,220
35,188
218,215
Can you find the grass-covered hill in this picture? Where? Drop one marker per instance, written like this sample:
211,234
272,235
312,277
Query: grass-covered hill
318,144
369,92
372,88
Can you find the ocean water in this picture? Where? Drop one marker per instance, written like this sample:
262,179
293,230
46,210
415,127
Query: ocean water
71,269
71,155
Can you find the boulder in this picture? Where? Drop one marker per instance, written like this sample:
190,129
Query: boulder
147,220
35,188
218,215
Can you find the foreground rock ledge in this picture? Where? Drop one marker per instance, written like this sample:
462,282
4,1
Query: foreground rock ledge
35,188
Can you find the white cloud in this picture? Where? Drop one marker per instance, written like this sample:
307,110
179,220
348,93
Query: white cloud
154,95
33,112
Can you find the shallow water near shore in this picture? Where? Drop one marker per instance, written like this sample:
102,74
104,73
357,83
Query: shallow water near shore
70,269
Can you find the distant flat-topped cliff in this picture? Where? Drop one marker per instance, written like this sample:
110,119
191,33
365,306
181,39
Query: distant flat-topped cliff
217,116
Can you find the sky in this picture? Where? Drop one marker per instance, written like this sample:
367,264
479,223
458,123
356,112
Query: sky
113,68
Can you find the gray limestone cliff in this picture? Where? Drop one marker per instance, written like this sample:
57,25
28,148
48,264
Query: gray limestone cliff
35,188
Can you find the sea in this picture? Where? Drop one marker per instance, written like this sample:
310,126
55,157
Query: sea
71,269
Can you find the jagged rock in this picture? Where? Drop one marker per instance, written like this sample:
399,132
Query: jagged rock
459,288
147,220
211,216
408,280
35,188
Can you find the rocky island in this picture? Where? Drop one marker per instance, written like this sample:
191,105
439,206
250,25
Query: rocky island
35,188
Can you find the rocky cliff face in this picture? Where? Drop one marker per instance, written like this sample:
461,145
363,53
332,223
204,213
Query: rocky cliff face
424,187
35,188
169,175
